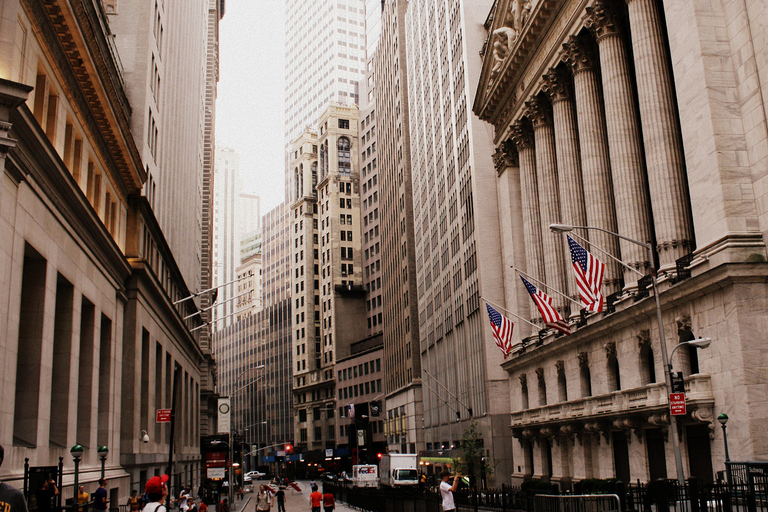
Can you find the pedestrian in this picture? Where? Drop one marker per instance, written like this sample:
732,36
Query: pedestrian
203,507
280,496
263,499
329,502
315,499
46,495
82,497
133,501
11,499
191,507
183,500
100,500
223,505
446,490
156,492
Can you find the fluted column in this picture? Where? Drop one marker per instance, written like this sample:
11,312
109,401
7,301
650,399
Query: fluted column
529,191
625,148
557,87
667,182
540,113
595,159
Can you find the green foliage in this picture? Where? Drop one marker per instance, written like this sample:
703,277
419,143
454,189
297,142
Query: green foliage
595,486
471,463
539,487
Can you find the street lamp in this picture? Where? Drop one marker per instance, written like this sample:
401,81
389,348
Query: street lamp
561,228
76,452
231,430
102,451
723,419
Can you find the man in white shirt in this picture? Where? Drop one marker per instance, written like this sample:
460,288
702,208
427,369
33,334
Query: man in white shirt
446,490
156,492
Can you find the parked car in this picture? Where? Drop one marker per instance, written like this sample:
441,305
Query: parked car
255,475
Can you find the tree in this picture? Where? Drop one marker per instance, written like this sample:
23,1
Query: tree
472,462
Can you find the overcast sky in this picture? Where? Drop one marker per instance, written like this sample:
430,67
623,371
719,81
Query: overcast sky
249,108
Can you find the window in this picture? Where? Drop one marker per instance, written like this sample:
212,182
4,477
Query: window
343,147
344,124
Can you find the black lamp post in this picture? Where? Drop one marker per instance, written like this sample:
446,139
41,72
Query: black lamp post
723,419
76,452
103,451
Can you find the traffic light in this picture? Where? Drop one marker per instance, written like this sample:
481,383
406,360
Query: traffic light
288,448
378,455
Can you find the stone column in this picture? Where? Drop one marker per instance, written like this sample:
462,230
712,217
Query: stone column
625,148
667,182
595,159
540,113
529,192
12,94
558,89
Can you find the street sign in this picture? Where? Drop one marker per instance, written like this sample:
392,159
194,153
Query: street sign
677,404
163,416
678,383
329,452
216,472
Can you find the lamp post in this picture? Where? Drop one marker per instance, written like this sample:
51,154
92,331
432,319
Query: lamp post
102,451
232,431
561,228
723,419
76,452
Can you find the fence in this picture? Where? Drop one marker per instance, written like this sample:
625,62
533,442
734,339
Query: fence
747,493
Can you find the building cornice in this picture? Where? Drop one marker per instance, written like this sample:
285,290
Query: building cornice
74,35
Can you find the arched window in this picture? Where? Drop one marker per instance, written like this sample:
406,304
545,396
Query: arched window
314,178
343,147
562,385
614,377
301,180
524,392
323,159
296,182
542,387
647,368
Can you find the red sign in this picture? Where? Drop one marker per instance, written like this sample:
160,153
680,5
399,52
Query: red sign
677,404
163,416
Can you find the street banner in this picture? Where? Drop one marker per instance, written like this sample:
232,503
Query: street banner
223,423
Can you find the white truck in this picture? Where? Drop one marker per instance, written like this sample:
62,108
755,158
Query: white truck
399,469
365,475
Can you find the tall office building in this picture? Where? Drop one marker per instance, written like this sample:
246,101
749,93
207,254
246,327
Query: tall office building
249,214
226,233
326,268
457,255
325,59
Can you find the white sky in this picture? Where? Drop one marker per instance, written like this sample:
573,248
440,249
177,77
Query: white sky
249,107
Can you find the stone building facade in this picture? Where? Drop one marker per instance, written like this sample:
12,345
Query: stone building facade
643,118
93,341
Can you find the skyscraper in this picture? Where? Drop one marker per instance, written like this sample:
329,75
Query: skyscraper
397,262
457,255
325,59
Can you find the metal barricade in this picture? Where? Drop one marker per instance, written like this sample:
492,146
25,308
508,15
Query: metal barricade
576,503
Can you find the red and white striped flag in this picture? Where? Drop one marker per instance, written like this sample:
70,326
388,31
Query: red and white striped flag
551,317
589,276
502,330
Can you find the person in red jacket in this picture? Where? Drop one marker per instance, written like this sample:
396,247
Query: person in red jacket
315,499
329,502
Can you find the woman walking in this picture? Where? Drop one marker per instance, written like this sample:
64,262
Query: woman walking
263,499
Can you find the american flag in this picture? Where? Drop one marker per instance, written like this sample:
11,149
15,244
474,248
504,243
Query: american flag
551,317
589,276
502,330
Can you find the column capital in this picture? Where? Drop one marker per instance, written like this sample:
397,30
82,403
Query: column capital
521,136
578,55
602,20
556,86
505,156
539,112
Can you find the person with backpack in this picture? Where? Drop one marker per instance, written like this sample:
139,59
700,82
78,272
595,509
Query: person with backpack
157,491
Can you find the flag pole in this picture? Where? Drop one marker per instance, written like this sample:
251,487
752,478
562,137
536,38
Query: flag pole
537,327
614,258
545,284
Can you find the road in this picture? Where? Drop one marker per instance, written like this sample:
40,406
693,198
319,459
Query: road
295,501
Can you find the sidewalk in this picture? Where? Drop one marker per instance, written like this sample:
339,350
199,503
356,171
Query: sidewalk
295,501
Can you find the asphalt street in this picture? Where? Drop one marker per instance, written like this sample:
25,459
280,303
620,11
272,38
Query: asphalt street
295,501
